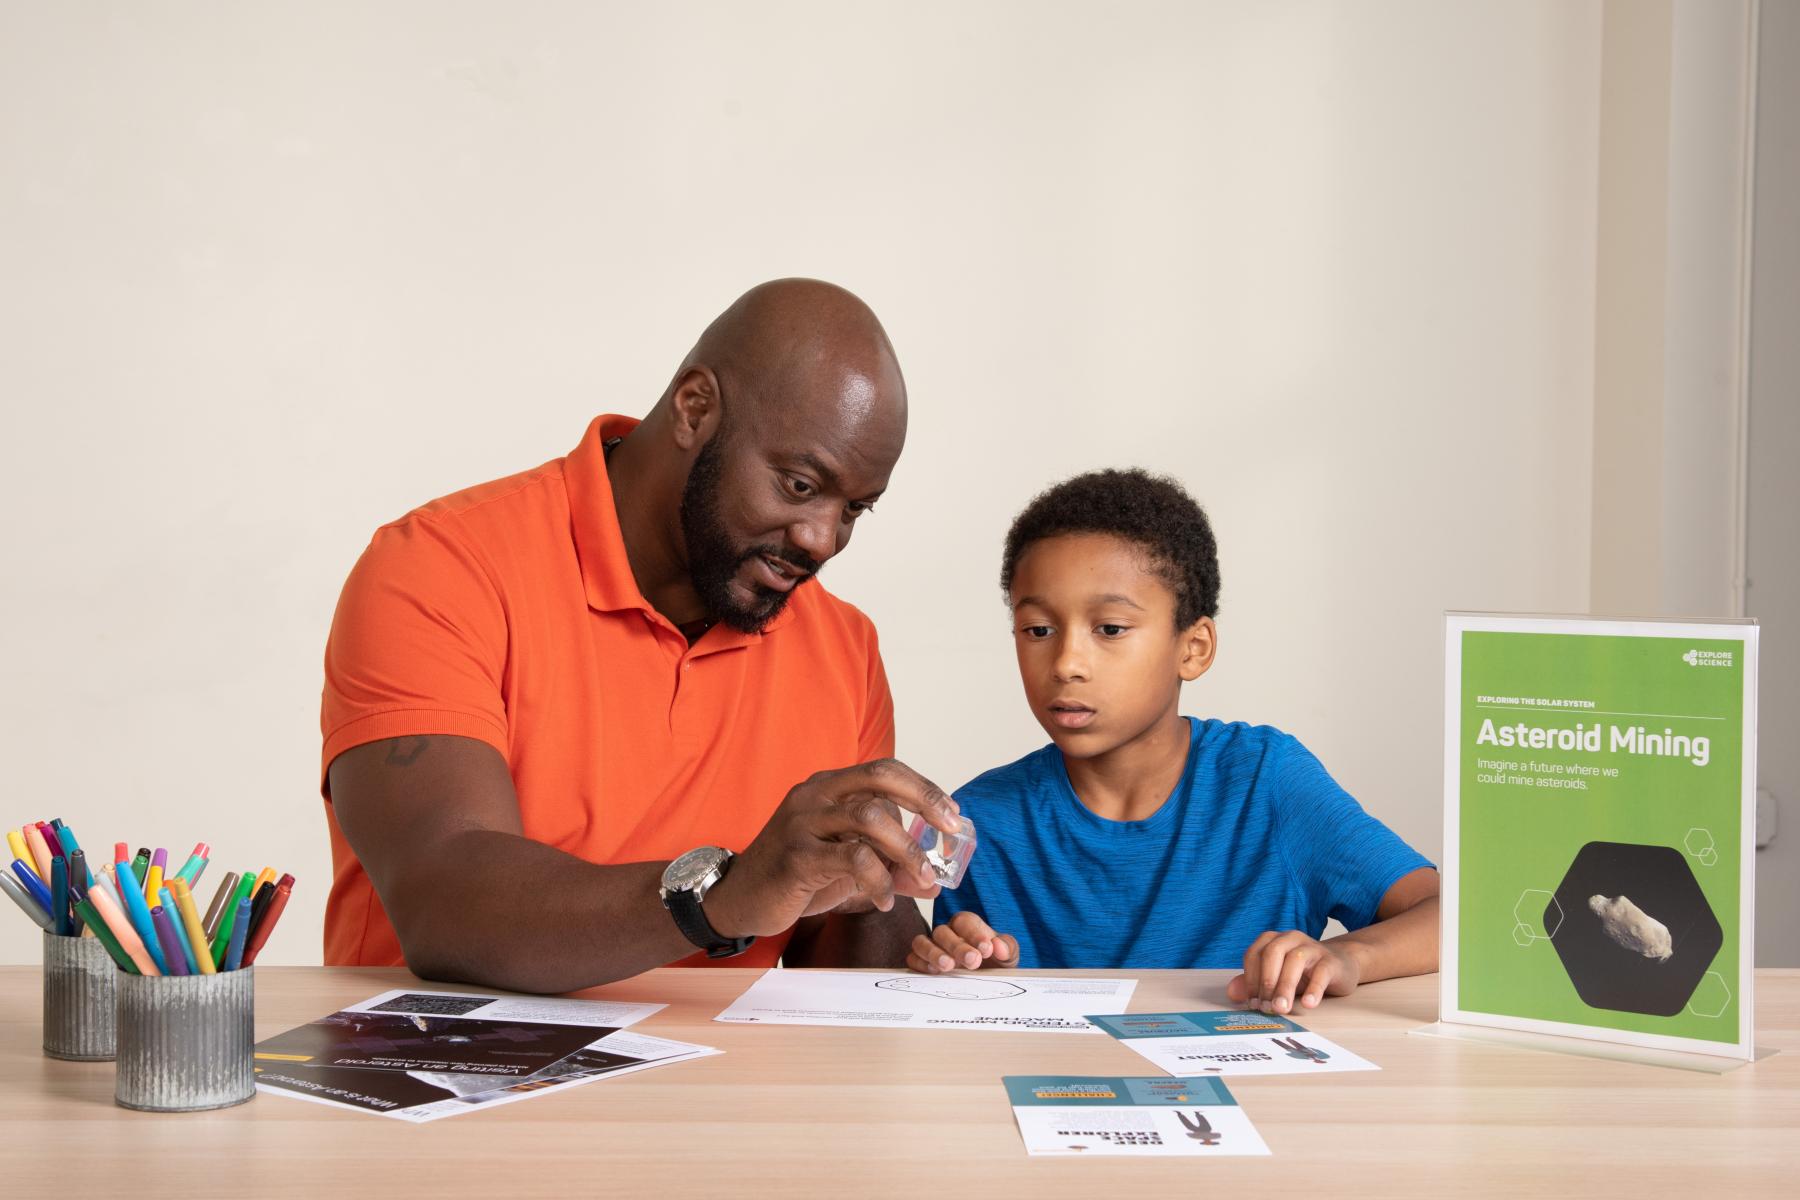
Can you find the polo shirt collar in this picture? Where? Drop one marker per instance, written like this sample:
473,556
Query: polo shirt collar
600,546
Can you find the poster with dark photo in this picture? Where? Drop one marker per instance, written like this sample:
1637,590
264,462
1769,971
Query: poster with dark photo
390,1042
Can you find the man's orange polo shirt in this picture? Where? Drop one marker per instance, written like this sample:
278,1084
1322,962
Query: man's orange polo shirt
508,613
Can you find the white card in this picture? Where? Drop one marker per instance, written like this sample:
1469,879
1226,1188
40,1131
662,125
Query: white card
1080,1116
1230,1043
872,999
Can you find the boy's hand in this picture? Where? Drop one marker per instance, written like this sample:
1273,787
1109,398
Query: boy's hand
965,942
1279,966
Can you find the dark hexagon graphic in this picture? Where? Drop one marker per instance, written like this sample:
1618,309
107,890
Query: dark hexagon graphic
1658,882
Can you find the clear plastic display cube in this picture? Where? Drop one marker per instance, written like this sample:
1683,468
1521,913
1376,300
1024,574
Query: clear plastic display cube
948,853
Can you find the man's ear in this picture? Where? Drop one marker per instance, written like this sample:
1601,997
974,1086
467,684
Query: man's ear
1199,644
694,409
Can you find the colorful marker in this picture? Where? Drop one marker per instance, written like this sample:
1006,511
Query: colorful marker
190,924
215,912
234,957
79,882
74,848
260,934
171,941
196,863
59,897
16,892
167,900
104,936
153,879
222,937
33,886
40,852
259,902
140,865
15,841
132,898
107,905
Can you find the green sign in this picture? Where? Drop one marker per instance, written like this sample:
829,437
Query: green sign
1600,788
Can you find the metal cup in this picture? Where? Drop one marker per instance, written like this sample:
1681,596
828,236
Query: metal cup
185,1041
78,998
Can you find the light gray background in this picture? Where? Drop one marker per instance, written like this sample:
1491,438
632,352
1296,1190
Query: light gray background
1404,292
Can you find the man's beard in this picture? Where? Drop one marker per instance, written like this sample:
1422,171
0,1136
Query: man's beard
712,559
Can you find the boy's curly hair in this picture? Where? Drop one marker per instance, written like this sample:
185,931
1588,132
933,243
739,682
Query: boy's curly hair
1152,511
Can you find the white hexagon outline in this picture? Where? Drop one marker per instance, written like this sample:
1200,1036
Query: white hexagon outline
1707,857
1518,920
1688,837
1722,1007
1529,936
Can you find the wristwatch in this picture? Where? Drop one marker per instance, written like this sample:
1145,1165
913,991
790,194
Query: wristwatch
685,883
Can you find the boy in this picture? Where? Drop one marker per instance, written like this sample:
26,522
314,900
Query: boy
1142,838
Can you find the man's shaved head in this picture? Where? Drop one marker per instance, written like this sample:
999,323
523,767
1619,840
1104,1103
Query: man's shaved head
802,341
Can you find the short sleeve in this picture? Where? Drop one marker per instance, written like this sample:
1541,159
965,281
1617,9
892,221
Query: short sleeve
875,738
418,644
1343,860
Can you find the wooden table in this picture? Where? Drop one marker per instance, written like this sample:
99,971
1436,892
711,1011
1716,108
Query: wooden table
790,1111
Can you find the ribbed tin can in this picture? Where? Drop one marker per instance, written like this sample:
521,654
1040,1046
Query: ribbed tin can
185,1041
78,998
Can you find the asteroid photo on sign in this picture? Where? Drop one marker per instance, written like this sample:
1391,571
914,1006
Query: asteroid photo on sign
1632,927
1636,934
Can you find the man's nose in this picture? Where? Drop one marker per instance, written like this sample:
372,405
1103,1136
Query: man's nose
815,538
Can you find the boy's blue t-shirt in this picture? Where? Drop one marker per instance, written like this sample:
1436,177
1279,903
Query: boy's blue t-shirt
1256,836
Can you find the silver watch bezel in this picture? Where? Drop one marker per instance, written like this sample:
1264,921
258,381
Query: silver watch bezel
695,872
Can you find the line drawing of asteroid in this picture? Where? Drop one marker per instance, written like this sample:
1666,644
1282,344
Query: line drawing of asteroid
954,987
1632,927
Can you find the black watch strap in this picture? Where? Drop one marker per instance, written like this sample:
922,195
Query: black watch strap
690,918
684,904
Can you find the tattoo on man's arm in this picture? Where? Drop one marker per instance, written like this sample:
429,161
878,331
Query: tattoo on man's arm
405,751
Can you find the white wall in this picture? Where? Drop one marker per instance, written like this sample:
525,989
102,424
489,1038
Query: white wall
1773,594
272,274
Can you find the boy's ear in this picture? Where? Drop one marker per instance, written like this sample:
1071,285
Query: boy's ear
1199,644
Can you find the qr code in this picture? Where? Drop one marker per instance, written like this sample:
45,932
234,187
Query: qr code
435,1004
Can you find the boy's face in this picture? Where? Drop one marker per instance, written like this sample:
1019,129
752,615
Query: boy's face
1099,653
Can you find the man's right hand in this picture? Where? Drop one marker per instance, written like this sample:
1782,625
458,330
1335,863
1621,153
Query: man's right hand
835,837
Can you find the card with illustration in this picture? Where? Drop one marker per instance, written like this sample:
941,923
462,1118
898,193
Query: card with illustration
1229,1043
1088,1115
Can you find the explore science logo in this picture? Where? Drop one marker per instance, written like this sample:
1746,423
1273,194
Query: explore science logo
1707,658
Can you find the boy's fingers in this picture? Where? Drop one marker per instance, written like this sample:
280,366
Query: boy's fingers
1275,957
1297,961
1006,950
1322,974
948,942
1268,973
927,957
1253,957
973,930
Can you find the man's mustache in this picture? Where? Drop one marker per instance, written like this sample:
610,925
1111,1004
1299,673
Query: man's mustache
800,560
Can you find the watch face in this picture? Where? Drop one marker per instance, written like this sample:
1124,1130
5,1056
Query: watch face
686,873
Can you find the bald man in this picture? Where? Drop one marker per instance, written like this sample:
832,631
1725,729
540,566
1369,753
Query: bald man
600,717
